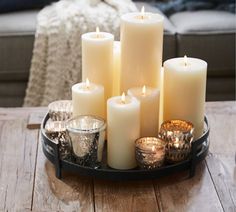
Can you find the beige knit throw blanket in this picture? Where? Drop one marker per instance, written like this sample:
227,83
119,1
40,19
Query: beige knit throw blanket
56,62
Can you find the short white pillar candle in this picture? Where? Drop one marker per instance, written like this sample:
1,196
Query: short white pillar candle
88,99
149,99
123,128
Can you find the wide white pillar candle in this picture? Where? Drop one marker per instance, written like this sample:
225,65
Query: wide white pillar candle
149,102
141,49
184,91
116,69
88,99
123,128
97,59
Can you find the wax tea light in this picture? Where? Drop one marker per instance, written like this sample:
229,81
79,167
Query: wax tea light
56,131
178,135
87,136
150,152
60,110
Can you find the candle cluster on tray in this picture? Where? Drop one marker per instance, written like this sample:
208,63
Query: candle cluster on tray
124,92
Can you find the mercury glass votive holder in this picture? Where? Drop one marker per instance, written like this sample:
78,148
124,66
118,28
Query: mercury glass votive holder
178,135
87,136
60,110
56,131
149,152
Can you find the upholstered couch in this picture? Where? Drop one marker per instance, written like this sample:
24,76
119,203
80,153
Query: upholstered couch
209,35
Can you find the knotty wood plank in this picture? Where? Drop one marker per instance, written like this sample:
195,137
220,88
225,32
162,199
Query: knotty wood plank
72,193
223,169
222,119
176,193
124,196
17,162
221,161
14,113
35,120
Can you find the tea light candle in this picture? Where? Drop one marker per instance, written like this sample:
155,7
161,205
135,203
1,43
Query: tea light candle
88,99
123,121
149,102
60,110
184,91
178,135
141,49
150,152
97,59
56,131
87,136
116,68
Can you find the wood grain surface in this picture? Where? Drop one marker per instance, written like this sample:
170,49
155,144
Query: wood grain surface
28,182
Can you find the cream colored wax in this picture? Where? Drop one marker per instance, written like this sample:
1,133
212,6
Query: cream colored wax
97,59
141,50
149,102
184,91
116,68
123,122
88,99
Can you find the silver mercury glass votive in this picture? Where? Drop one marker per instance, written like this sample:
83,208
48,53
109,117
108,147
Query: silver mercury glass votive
178,135
87,136
149,152
60,110
56,131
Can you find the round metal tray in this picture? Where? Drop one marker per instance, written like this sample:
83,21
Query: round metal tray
198,153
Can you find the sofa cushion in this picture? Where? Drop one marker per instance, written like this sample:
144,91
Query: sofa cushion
202,22
209,35
16,5
16,44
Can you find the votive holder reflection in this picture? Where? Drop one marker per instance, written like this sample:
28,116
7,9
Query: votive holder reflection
149,152
87,136
60,110
178,135
56,131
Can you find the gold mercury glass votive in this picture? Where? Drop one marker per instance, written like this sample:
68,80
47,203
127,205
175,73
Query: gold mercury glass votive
56,131
87,136
60,110
150,152
178,135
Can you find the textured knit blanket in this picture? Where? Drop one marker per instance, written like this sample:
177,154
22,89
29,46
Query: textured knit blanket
56,62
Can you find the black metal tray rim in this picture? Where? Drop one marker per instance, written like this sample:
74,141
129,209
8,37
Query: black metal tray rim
132,174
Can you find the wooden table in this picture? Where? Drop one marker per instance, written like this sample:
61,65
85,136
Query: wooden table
28,182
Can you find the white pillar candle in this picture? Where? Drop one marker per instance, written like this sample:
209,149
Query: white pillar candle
88,99
123,122
149,102
184,91
141,49
116,69
161,96
97,59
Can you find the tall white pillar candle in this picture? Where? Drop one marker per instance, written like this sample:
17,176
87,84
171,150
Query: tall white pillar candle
116,68
123,122
141,49
88,99
149,102
184,91
97,59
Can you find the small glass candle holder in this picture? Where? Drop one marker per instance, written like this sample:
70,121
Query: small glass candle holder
178,135
87,136
150,152
56,131
60,110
